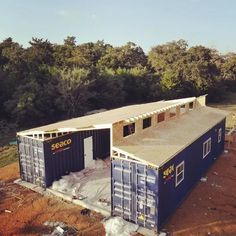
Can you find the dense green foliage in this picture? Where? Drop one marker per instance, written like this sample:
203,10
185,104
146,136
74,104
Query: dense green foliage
48,82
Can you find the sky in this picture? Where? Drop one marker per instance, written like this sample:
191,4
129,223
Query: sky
147,23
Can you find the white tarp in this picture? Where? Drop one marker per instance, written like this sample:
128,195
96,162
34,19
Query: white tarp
116,226
93,183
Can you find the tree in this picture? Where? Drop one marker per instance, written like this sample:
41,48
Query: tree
47,82
39,54
228,71
88,54
124,57
73,87
163,57
33,101
11,56
63,53
5,93
186,72
202,70
169,63
108,90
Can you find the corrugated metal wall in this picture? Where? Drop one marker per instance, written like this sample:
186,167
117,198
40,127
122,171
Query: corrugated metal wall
170,195
59,156
71,159
31,159
134,192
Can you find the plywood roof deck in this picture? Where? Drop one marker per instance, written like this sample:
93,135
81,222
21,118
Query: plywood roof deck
157,145
108,117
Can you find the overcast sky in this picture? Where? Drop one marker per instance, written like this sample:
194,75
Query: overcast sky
144,22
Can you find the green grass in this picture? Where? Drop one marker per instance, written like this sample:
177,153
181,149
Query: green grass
8,155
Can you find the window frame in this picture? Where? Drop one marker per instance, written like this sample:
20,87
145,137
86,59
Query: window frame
177,182
129,129
148,125
162,117
182,108
191,106
173,112
206,147
219,135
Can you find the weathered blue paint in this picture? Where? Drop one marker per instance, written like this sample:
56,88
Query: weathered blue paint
61,160
170,196
167,195
134,190
31,160
72,159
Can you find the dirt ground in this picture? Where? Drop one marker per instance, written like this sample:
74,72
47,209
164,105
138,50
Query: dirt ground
210,209
29,210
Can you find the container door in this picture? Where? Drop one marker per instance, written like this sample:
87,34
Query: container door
134,193
88,151
122,198
146,196
31,160
39,171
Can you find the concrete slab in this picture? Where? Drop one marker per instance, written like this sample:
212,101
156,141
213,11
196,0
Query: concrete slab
31,186
147,232
82,203
68,198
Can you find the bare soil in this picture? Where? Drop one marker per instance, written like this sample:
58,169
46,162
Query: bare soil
29,210
210,209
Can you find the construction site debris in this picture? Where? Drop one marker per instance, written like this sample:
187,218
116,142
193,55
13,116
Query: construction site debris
60,229
117,226
212,208
78,196
8,211
203,179
85,211
54,224
104,202
216,185
162,234
2,183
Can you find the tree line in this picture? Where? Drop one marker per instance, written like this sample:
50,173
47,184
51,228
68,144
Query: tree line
47,82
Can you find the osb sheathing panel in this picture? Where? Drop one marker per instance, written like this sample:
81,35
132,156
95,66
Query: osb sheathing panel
167,115
178,111
117,128
117,132
187,107
157,145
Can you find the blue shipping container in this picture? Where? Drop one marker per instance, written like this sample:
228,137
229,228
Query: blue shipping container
148,196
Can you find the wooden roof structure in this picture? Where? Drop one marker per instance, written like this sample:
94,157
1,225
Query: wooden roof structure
107,118
157,145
